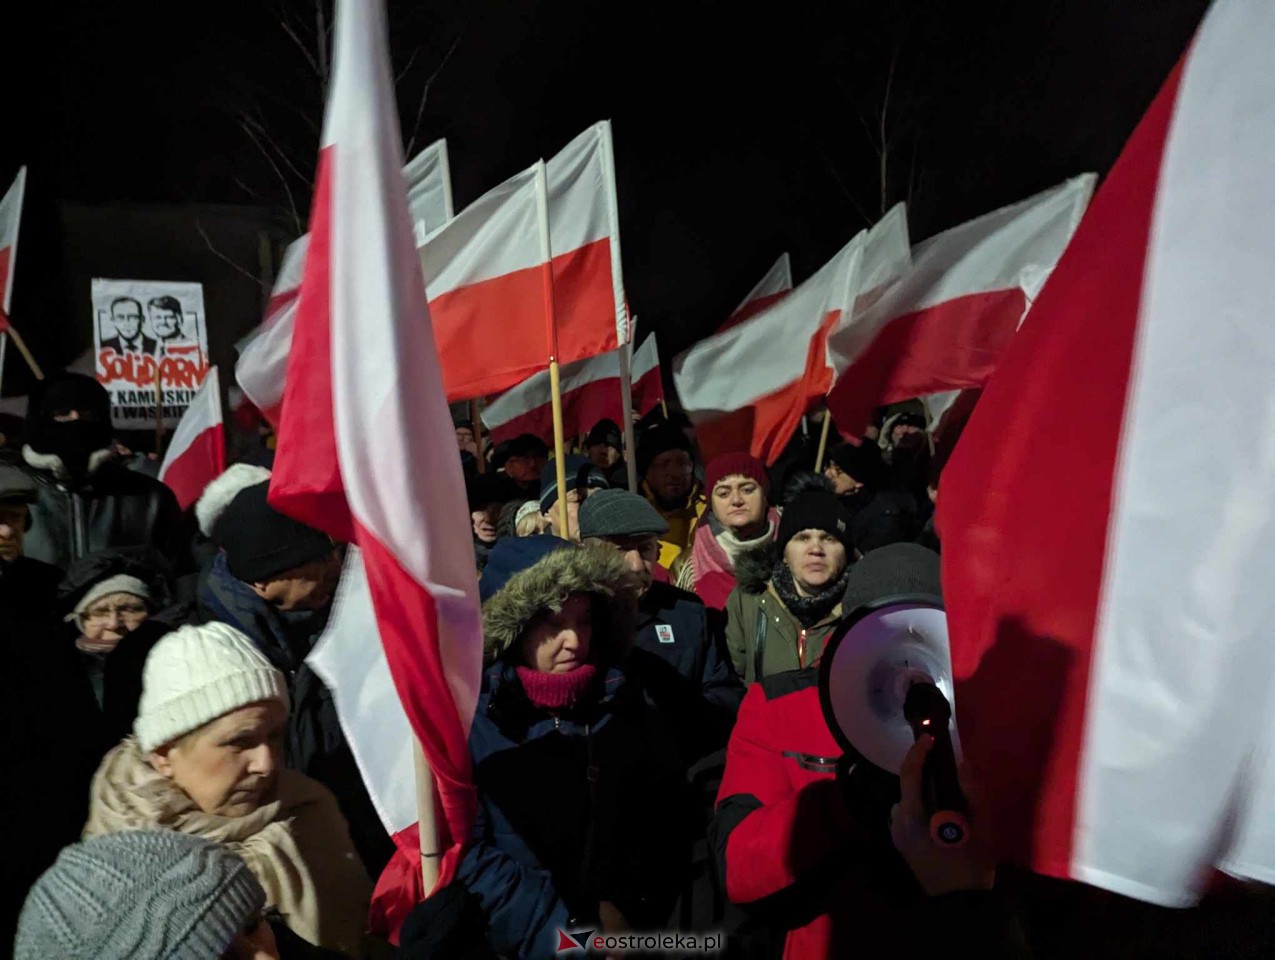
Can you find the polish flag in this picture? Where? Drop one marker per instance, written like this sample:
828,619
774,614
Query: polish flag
364,420
263,354
197,454
1107,561
485,280
429,189
590,392
10,217
747,388
946,324
773,287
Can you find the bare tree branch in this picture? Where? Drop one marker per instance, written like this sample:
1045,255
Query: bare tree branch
321,43
247,120
411,61
292,204
225,259
429,82
885,139
248,190
305,51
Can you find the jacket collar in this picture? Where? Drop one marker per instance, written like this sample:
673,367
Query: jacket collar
52,463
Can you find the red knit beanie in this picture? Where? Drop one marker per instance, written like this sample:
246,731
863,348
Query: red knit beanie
735,465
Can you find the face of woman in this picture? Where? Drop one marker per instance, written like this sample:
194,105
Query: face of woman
559,642
816,558
739,505
230,766
113,617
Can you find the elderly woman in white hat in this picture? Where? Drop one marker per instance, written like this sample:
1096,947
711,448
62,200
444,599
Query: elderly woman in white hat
205,758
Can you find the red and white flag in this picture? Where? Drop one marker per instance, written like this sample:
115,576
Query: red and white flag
590,392
485,280
197,454
945,325
263,354
747,388
1107,560
772,288
429,189
364,417
10,218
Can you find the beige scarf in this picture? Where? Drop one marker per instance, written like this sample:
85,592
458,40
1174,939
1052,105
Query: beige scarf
298,846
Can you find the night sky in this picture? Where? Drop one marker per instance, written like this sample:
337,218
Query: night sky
740,130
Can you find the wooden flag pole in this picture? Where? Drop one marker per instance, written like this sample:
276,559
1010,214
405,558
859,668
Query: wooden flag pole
21,344
475,417
551,324
431,856
823,441
626,408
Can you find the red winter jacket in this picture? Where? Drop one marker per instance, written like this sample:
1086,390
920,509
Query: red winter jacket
794,855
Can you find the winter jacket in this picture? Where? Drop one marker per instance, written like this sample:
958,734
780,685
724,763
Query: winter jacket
762,636
297,845
28,588
681,663
316,743
575,806
826,882
881,518
115,507
682,522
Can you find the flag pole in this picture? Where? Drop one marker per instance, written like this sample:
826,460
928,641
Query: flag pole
159,408
626,407
555,375
823,440
431,856
475,418
21,344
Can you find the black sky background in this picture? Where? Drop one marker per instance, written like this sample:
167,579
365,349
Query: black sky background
741,130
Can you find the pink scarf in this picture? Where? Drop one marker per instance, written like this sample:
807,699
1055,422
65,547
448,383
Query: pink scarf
557,691
708,554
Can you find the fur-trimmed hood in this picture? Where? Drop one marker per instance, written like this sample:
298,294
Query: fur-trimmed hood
753,567
52,463
596,570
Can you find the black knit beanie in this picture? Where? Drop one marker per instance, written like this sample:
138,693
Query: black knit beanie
260,542
899,569
814,510
657,440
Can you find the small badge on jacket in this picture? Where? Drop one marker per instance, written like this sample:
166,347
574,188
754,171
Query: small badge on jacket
664,632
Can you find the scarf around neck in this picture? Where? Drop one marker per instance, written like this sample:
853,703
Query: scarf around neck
807,610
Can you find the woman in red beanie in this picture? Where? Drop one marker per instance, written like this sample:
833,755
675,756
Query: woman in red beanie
741,518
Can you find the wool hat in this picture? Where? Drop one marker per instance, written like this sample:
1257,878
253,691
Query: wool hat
898,569
523,445
260,542
141,894
862,461
579,470
15,485
195,675
660,439
814,510
483,489
735,465
120,583
605,432
509,557
618,513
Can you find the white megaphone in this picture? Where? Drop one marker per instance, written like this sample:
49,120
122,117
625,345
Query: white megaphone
885,680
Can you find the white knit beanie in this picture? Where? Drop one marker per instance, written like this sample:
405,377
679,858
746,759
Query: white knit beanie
195,675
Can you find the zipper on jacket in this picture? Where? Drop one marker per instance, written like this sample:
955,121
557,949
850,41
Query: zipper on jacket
801,648
79,535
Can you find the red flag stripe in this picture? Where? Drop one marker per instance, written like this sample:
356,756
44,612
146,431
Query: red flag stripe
201,462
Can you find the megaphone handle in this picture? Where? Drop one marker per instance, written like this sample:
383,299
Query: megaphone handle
941,792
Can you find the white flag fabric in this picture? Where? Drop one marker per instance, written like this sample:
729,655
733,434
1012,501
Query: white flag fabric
944,325
197,454
1108,576
10,218
747,388
429,189
363,379
771,288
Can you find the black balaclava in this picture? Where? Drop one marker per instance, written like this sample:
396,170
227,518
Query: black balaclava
71,441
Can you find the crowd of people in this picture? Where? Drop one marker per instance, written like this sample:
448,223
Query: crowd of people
648,750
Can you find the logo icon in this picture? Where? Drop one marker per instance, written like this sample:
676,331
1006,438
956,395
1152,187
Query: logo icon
567,942
664,632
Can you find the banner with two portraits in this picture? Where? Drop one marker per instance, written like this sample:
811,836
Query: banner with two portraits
150,341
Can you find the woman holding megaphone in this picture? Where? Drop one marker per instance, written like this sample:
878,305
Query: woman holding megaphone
831,854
